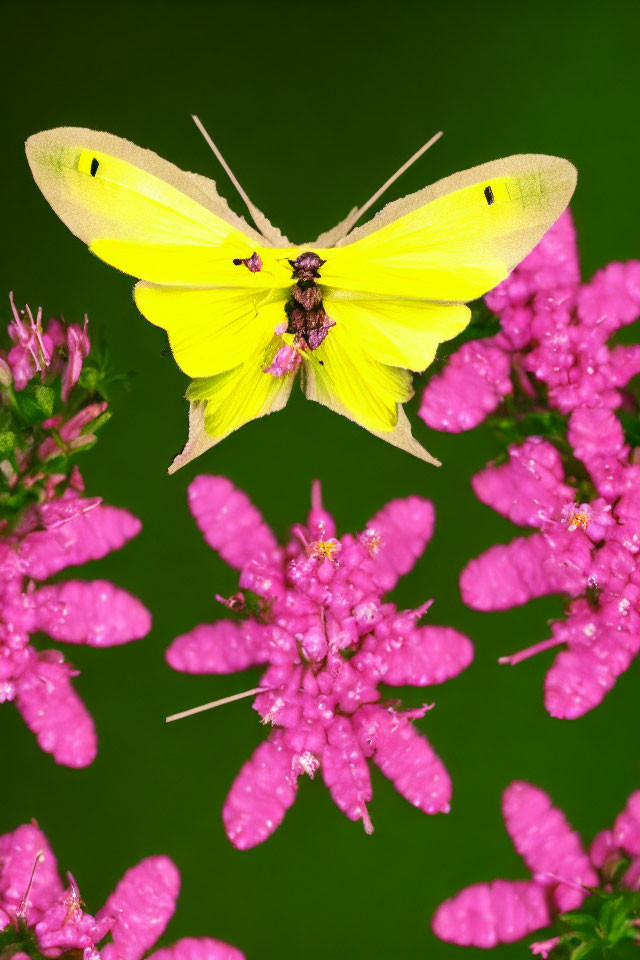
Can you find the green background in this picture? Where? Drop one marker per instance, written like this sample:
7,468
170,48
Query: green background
314,105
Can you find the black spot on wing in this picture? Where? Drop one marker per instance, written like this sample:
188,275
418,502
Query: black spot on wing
94,167
488,195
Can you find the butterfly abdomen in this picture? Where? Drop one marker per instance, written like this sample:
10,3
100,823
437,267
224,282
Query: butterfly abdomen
307,319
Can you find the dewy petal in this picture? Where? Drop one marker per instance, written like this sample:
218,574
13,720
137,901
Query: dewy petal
94,612
546,842
581,677
222,647
261,794
18,852
486,914
423,656
404,528
405,757
626,829
346,772
529,489
141,906
89,536
508,575
54,712
229,522
198,948
597,439
471,387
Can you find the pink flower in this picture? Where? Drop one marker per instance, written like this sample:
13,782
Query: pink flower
552,328
321,626
78,347
38,913
67,531
61,349
587,550
562,874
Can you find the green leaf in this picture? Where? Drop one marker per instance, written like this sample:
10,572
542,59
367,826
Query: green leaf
8,442
35,403
583,950
97,423
578,920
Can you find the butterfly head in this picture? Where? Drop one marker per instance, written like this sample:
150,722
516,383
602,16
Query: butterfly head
306,266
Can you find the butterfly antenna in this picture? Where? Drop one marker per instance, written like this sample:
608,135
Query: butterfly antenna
226,168
385,186
214,703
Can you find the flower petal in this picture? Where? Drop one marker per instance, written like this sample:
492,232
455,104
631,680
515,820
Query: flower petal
486,914
626,829
471,387
581,677
222,647
18,853
89,536
229,522
198,948
261,794
346,773
597,439
141,906
54,712
546,842
404,528
508,575
423,656
405,757
94,612
529,489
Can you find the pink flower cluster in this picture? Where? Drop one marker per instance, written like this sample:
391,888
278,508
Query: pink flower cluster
60,350
329,640
40,915
46,525
552,329
64,532
562,873
588,550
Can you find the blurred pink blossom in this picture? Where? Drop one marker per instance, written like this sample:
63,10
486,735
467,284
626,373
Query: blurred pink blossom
587,550
68,531
328,639
562,874
552,328
39,912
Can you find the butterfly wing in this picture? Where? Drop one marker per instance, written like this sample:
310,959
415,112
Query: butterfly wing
144,215
170,228
396,287
221,337
454,241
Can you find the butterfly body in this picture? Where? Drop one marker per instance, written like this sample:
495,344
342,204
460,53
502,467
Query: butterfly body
246,312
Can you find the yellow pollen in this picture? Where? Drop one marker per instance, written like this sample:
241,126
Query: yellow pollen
326,549
579,519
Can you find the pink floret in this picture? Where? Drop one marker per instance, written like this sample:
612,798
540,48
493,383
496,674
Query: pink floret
471,387
486,914
261,794
51,921
96,613
588,551
320,623
563,874
140,908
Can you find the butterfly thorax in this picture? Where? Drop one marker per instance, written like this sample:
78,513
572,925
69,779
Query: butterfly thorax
307,320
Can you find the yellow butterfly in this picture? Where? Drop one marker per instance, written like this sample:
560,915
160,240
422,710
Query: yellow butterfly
246,311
